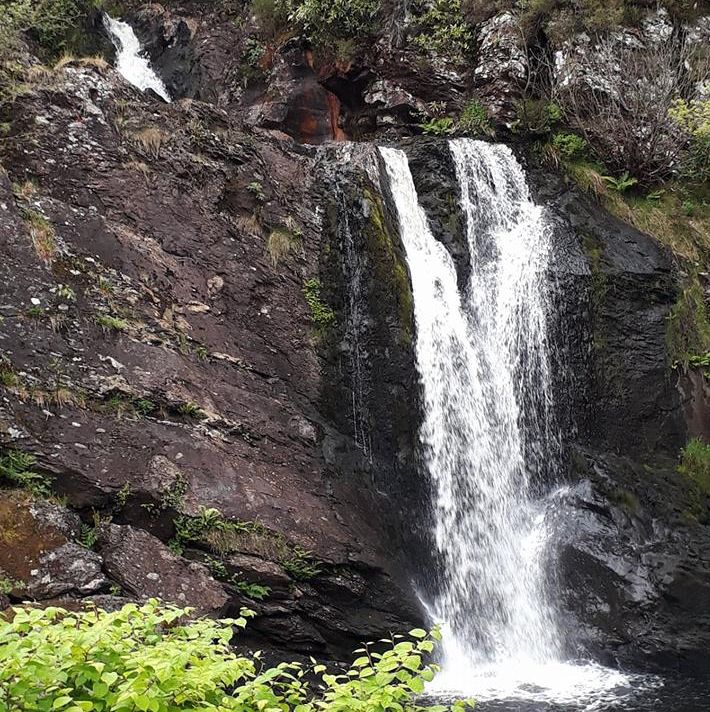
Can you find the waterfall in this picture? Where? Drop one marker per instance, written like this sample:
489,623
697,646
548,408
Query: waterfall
482,359
130,60
489,437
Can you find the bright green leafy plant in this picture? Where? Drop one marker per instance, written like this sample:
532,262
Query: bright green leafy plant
443,126
570,145
620,184
16,470
474,119
152,658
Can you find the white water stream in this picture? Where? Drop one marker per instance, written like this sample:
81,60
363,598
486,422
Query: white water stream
131,61
489,436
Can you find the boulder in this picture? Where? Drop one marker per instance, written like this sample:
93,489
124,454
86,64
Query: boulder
145,568
39,553
256,570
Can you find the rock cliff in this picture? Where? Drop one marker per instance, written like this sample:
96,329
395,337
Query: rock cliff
206,345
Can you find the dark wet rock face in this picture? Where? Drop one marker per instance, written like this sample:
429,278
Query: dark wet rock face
434,176
634,542
635,566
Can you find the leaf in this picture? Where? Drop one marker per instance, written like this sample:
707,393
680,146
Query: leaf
418,633
416,684
60,702
109,678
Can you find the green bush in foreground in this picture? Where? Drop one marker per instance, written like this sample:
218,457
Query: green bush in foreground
152,659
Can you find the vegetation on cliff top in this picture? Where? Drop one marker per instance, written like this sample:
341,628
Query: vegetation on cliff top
152,658
55,26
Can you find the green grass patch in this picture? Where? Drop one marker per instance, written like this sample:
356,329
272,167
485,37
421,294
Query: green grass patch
695,464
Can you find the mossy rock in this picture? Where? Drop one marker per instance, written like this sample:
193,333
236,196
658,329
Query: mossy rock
388,263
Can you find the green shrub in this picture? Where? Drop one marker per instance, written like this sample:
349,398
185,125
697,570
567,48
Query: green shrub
299,564
474,119
443,29
695,463
16,470
693,118
153,659
537,116
57,26
191,410
256,188
272,16
253,52
701,362
210,530
570,146
325,21
8,585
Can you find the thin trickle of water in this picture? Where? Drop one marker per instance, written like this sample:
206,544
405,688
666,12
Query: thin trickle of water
353,268
131,62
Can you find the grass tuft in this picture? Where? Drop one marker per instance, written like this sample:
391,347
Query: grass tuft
695,464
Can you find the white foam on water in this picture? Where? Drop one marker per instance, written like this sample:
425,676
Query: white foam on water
131,61
585,686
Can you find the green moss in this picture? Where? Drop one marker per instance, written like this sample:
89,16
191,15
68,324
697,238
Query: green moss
322,315
389,266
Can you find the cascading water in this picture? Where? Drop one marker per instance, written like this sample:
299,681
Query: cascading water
130,60
488,436
469,352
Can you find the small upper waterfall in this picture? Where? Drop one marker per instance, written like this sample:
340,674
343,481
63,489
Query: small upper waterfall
488,437
130,60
